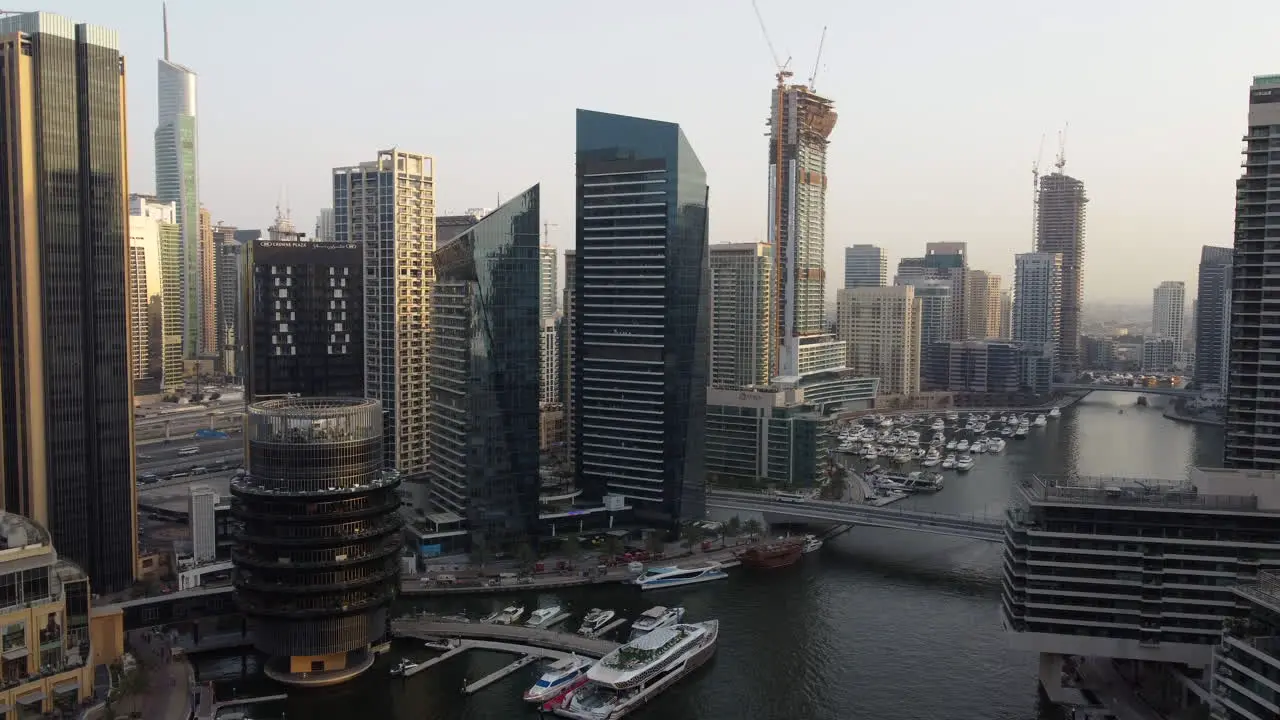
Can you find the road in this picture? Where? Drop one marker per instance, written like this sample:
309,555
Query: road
168,695
153,455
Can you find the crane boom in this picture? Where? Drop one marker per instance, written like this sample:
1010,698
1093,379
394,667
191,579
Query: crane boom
1061,161
765,30
813,76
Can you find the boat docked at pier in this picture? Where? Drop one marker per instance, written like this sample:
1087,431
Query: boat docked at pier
541,618
812,543
772,554
506,616
559,677
637,672
654,618
595,620
664,577
964,463
1055,412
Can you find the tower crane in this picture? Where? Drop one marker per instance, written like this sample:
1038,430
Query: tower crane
1061,161
813,76
1035,195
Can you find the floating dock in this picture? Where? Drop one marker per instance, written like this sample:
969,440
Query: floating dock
463,647
493,677
608,628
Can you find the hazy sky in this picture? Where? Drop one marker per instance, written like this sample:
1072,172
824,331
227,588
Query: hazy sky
942,108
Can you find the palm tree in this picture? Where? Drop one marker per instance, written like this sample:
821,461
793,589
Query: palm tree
655,543
480,552
753,527
692,535
734,527
526,556
572,548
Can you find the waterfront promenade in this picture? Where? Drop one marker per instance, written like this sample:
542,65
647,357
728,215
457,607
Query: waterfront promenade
168,692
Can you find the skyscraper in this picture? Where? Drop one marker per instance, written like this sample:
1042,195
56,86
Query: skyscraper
208,287
160,218
935,307
1060,218
982,316
66,405
882,327
145,342
568,360
1037,303
1213,318
387,207
942,261
485,405
642,318
741,314
229,283
548,279
865,266
1168,303
1251,386
324,225
1006,315
799,127
177,181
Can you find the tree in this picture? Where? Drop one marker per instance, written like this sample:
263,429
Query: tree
733,528
572,548
692,535
753,527
480,552
655,543
526,556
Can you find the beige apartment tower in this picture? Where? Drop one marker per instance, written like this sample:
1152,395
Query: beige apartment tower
983,312
882,329
741,314
398,275
208,288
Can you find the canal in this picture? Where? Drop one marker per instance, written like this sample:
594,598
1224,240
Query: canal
878,624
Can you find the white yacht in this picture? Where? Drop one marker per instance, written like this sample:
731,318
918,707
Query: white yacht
811,544
995,445
1021,432
595,620
440,644
869,453
1040,421
506,616
953,416
962,446
403,667
654,618
938,424
978,446
1007,431
540,618
931,458
949,462
630,676
965,463
951,444
1055,412
560,677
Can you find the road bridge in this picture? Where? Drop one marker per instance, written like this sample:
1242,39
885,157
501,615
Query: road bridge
1172,392
426,627
975,527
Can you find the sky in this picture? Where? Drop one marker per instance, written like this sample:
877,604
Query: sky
944,107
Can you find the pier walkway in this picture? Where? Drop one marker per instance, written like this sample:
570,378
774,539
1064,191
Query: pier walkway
426,627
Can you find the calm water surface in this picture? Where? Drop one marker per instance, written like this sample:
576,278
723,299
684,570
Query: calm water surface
879,624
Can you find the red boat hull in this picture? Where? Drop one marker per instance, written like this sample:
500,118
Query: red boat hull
772,555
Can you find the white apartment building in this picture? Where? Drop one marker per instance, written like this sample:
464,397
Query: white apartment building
881,327
1168,304
742,309
1037,303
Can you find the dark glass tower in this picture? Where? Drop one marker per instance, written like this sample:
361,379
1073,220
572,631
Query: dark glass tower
66,411
317,564
306,320
642,317
485,375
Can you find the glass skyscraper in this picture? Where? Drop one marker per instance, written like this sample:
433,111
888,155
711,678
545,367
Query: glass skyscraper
642,317
485,380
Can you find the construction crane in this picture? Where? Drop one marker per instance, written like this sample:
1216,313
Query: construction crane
1035,195
1061,161
813,76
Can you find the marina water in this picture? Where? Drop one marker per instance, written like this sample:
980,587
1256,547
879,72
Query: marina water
878,624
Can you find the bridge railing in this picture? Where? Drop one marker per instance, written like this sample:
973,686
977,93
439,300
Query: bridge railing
984,519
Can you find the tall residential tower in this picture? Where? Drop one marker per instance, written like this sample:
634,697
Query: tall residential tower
1213,318
1060,216
1168,305
741,314
865,266
1037,287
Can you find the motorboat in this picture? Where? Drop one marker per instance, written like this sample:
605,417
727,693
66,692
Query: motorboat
1055,412
949,462
920,482
1040,421
595,621
995,445
630,676
953,417
951,444
870,453
654,618
1021,432
664,577
541,617
440,644
978,446
965,463
938,424
962,446
506,616
403,668
1007,431
812,543
558,678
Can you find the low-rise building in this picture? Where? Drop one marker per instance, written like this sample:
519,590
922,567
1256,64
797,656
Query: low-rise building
1099,352
989,366
1246,664
1159,353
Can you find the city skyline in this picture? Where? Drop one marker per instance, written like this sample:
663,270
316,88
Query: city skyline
978,191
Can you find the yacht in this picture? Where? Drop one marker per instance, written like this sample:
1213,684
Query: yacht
664,577
811,544
403,667
870,453
931,458
965,463
962,446
953,417
540,618
1055,412
996,445
920,482
938,424
506,616
951,444
440,644
1040,421
559,678
978,446
1021,432
654,618
949,463
1007,431
595,620
630,676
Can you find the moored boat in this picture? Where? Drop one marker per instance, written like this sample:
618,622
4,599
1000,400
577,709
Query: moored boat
540,618
812,543
595,620
662,577
403,667
506,616
772,554
559,678
654,618
1055,412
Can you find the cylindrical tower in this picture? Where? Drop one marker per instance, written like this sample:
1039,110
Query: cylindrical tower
316,566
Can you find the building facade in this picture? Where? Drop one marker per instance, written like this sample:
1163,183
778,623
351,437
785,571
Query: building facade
935,307
1006,315
1213,318
1168,304
1246,663
549,370
643,317
1099,352
742,305
865,266
202,503
208,288
882,327
982,317
947,261
485,357
1060,227
306,320
397,292
324,225
317,565
765,436
177,162
548,282
568,343
66,395
231,294
1037,305
146,294
1159,354
989,367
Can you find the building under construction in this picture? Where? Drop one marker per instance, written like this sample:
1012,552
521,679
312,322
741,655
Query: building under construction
1060,215
800,126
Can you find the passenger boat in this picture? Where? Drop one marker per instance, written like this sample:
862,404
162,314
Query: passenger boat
1040,421
637,672
664,577
1055,412
559,677
506,616
540,618
812,543
772,554
965,463
595,620
403,667
654,618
